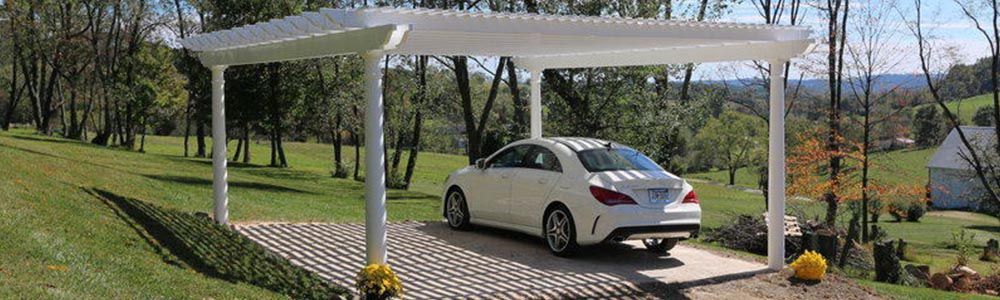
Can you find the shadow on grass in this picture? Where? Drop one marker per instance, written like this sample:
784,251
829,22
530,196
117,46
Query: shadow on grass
186,240
987,228
50,140
237,184
207,161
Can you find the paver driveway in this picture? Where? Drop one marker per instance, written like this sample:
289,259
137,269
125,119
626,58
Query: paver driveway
436,262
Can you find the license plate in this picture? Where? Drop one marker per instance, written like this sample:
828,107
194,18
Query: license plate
659,196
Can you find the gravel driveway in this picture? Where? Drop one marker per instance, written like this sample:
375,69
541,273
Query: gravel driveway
436,262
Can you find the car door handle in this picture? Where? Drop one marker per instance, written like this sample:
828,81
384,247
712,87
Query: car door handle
543,181
505,175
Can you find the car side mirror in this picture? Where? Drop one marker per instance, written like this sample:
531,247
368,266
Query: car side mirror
481,163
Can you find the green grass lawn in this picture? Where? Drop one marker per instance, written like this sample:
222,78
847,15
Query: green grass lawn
906,166
63,241
967,107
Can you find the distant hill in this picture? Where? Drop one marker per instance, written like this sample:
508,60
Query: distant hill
886,82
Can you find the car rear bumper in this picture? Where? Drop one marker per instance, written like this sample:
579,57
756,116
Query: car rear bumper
630,222
681,231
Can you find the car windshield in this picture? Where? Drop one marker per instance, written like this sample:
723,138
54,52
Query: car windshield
616,159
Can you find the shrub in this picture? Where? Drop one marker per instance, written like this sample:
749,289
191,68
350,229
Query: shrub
379,282
915,211
897,213
809,266
962,242
983,116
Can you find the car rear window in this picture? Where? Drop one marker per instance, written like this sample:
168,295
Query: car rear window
616,159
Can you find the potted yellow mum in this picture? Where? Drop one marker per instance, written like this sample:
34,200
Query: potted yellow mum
378,282
809,266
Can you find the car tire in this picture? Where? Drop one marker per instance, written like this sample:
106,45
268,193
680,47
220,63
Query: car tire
560,232
660,245
457,210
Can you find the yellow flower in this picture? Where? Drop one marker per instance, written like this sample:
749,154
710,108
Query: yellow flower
378,279
809,266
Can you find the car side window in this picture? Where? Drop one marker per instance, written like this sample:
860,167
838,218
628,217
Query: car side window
510,158
542,159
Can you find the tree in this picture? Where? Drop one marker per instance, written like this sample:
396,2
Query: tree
984,116
731,140
873,53
836,14
927,131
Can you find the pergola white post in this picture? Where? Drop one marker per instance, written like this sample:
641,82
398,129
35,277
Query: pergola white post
375,216
776,169
536,102
220,186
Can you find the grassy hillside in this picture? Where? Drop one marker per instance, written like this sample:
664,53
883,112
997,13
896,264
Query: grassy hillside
64,237
68,235
967,107
930,239
900,166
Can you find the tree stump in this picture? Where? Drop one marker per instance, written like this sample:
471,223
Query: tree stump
901,249
886,262
827,245
808,241
992,251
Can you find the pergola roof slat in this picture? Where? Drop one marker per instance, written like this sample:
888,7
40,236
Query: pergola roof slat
545,41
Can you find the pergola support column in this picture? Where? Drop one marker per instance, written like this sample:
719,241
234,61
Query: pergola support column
776,168
375,215
220,177
536,103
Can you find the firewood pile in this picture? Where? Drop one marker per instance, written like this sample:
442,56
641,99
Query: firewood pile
958,279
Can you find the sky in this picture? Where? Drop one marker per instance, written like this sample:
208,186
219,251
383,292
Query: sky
943,21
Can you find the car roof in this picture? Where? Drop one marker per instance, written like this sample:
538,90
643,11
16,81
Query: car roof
579,143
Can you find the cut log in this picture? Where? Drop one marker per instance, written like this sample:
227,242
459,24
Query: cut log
886,262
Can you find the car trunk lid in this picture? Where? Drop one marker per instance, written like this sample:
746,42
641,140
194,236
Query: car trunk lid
650,189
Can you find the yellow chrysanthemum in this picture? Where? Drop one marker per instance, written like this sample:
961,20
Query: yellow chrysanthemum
379,280
809,266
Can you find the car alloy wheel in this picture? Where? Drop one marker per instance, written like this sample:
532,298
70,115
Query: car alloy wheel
559,234
457,212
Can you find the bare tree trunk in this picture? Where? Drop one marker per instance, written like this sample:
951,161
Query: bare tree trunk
418,119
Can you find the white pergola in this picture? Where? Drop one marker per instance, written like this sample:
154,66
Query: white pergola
536,42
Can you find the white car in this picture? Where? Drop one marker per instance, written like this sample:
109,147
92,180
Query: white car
574,192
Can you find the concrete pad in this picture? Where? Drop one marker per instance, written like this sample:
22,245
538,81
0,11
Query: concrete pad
436,262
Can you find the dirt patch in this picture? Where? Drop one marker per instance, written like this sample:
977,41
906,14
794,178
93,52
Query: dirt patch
779,285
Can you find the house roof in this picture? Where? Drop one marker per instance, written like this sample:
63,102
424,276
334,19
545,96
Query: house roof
951,154
535,41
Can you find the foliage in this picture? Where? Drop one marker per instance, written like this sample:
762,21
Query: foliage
809,171
963,242
927,126
809,266
732,140
378,280
915,211
983,116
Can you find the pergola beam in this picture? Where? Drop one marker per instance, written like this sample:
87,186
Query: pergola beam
676,55
380,38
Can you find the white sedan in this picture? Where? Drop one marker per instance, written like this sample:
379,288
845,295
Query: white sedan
574,192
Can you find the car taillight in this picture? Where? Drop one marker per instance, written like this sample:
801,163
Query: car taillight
609,197
691,197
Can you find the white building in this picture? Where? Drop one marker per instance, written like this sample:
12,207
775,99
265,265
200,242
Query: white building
951,178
